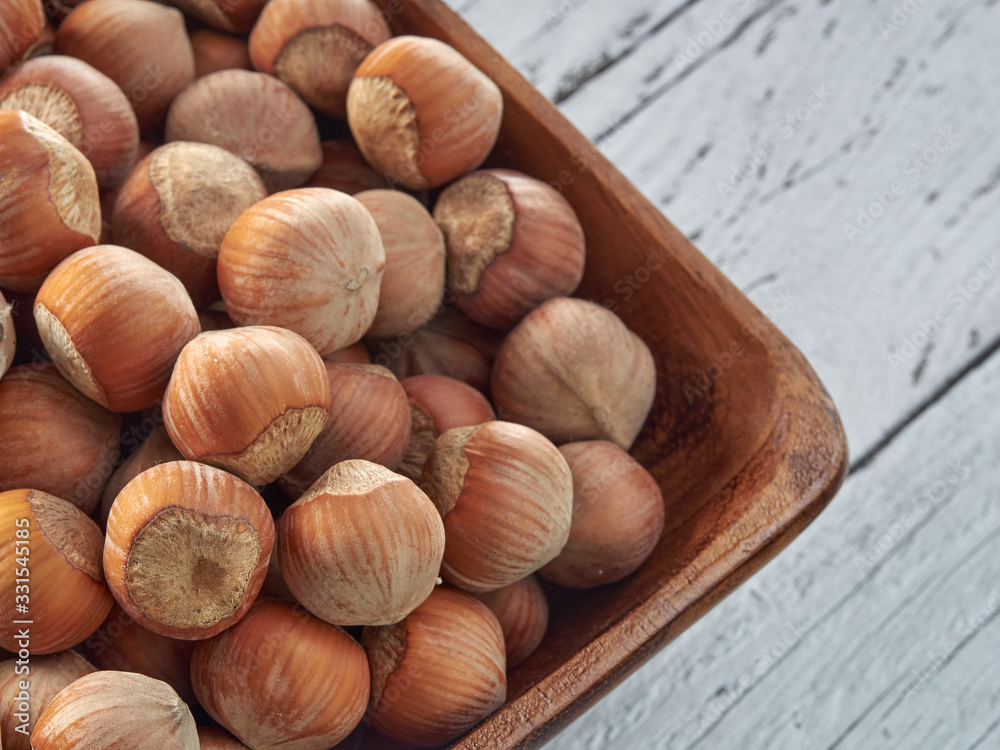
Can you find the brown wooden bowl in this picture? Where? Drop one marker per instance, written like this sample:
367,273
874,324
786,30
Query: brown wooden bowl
747,451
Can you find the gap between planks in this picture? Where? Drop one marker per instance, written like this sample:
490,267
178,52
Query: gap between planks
896,430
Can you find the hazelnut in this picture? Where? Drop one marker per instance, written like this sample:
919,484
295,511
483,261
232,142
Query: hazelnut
413,282
310,260
68,598
235,16
53,438
254,116
344,168
355,354
83,105
513,242
123,645
116,709
573,371
48,198
249,679
362,547
154,450
450,345
439,672
523,613
250,400
8,336
21,24
316,45
46,677
113,323
213,738
506,496
438,404
618,516
177,205
369,419
215,51
187,549
421,113
142,46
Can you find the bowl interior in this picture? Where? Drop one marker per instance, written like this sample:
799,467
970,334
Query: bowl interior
742,438
715,402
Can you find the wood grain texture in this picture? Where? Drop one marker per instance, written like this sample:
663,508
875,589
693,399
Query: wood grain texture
745,461
838,642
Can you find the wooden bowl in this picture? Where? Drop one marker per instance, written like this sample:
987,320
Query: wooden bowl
743,438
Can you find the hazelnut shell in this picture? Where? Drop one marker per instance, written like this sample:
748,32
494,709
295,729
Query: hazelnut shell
506,496
54,438
123,645
256,117
155,449
68,598
344,168
439,672
421,113
187,549
49,200
48,676
22,23
369,419
177,205
250,679
573,371
83,105
114,322
413,281
310,260
450,344
438,404
618,516
362,547
316,45
116,709
523,613
250,400
142,46
215,51
513,242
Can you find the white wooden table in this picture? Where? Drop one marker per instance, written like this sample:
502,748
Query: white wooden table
840,161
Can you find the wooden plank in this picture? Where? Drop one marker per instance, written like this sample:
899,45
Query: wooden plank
856,309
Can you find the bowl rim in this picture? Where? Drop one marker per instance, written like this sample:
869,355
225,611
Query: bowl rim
789,489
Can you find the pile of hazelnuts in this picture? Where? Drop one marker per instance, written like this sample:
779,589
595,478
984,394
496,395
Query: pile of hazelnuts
287,427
